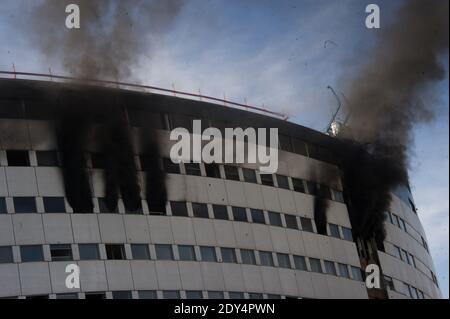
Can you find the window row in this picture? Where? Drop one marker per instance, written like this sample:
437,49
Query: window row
408,290
63,252
400,223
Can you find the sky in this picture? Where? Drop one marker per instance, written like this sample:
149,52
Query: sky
280,54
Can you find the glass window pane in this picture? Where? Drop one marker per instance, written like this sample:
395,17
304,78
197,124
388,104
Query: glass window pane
186,252
283,260
228,255
334,231
212,170
347,233
220,212
194,294
300,263
215,295
239,214
171,294
178,209
266,258
330,268
94,295
3,209
164,252
266,179
54,205
255,295
231,172
299,147
282,182
291,221
24,204
192,169
140,251
88,251
147,294
169,166
61,252
47,158
103,207
67,296
315,264
343,271
18,158
257,216
31,253
200,210
208,253
356,273
249,175
115,252
121,294
248,257
275,219
236,295
6,255
298,185
306,224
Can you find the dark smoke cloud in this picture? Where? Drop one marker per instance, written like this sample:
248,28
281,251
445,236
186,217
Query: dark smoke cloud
387,96
114,34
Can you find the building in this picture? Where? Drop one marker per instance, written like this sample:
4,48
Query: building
226,231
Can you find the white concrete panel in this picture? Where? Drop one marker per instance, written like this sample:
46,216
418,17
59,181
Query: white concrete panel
261,233
6,230
144,275
3,185
279,239
295,242
253,196
58,277
21,181
224,232
191,275
287,202
57,228
93,276
9,279
212,276
235,192
168,275
85,228
136,229
244,235
252,278
204,232
118,273
270,198
50,181
28,229
288,282
304,284
112,229
35,278
234,280
271,280
217,193
183,231
160,229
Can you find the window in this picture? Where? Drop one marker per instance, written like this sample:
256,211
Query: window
98,160
215,295
61,252
330,268
249,175
275,219
6,255
273,296
186,252
356,273
343,270
338,196
404,256
133,210
103,206
389,217
88,251
140,251
171,294
54,204
388,282
334,231
236,295
283,260
208,253
220,212
31,253
255,295
315,264
291,221
397,252
347,233
192,169
47,158
424,243
298,185
194,294
257,216
169,166
200,210
228,255
178,209
67,296
324,192
396,220
121,294
94,295
147,294
115,252
306,224
266,179
239,214
421,295
282,182
300,263
403,224
3,209
164,252
212,170
18,158
24,204
231,172
266,258
248,257
413,260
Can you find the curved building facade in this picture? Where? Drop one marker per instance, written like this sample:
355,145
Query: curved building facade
225,231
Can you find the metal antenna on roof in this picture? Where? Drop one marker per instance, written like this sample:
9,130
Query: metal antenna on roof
333,119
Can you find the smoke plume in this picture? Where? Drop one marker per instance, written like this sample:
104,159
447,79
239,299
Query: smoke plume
387,96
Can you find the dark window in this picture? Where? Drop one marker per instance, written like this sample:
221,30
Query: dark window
306,224
338,196
299,147
343,270
300,263
88,251
140,251
103,206
24,204
397,252
6,255
54,204
134,210
98,160
61,252
282,182
324,192
334,231
257,216
220,212
356,273
255,295
298,185
405,256
283,260
273,296
236,295
315,264
249,175
275,219
194,294
313,188
215,295
178,209
115,252
186,252
47,158
170,167
396,220
266,258
208,253
31,253
37,297
193,169
94,295
3,209
228,255
347,233
121,294
403,224
212,170
291,221
239,214
200,210
67,296
18,158
248,257
147,294
330,268
164,252
266,179
231,172
171,294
